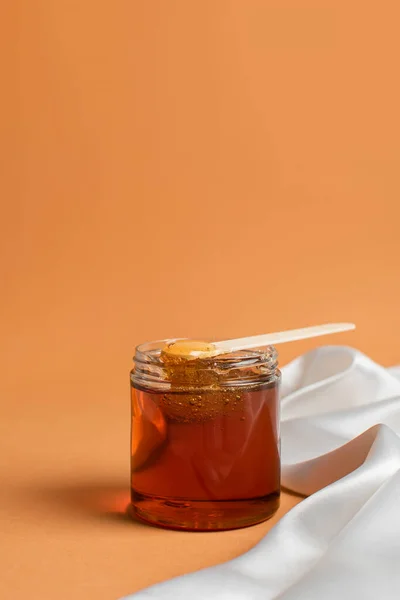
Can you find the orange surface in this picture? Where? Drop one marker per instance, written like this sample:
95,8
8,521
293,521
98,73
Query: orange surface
174,169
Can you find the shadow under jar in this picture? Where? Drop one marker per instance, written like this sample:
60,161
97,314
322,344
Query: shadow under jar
205,439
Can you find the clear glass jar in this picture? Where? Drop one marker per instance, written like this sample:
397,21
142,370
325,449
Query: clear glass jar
205,439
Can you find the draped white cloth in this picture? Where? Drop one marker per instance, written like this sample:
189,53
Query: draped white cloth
340,434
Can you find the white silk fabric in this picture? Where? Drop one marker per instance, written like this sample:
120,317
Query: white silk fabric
340,432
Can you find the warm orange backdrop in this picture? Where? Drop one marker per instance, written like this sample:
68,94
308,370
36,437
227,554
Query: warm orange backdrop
200,168
192,168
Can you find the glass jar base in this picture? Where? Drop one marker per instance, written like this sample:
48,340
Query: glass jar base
196,515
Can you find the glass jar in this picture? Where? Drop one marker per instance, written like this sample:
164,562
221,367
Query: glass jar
205,439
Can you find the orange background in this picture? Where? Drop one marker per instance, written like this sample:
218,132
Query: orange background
176,168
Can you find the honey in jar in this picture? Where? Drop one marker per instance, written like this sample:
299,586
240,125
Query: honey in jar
205,436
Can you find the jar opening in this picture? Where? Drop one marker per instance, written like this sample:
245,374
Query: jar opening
240,368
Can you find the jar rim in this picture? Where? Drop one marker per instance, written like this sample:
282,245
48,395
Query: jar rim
152,350
150,370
